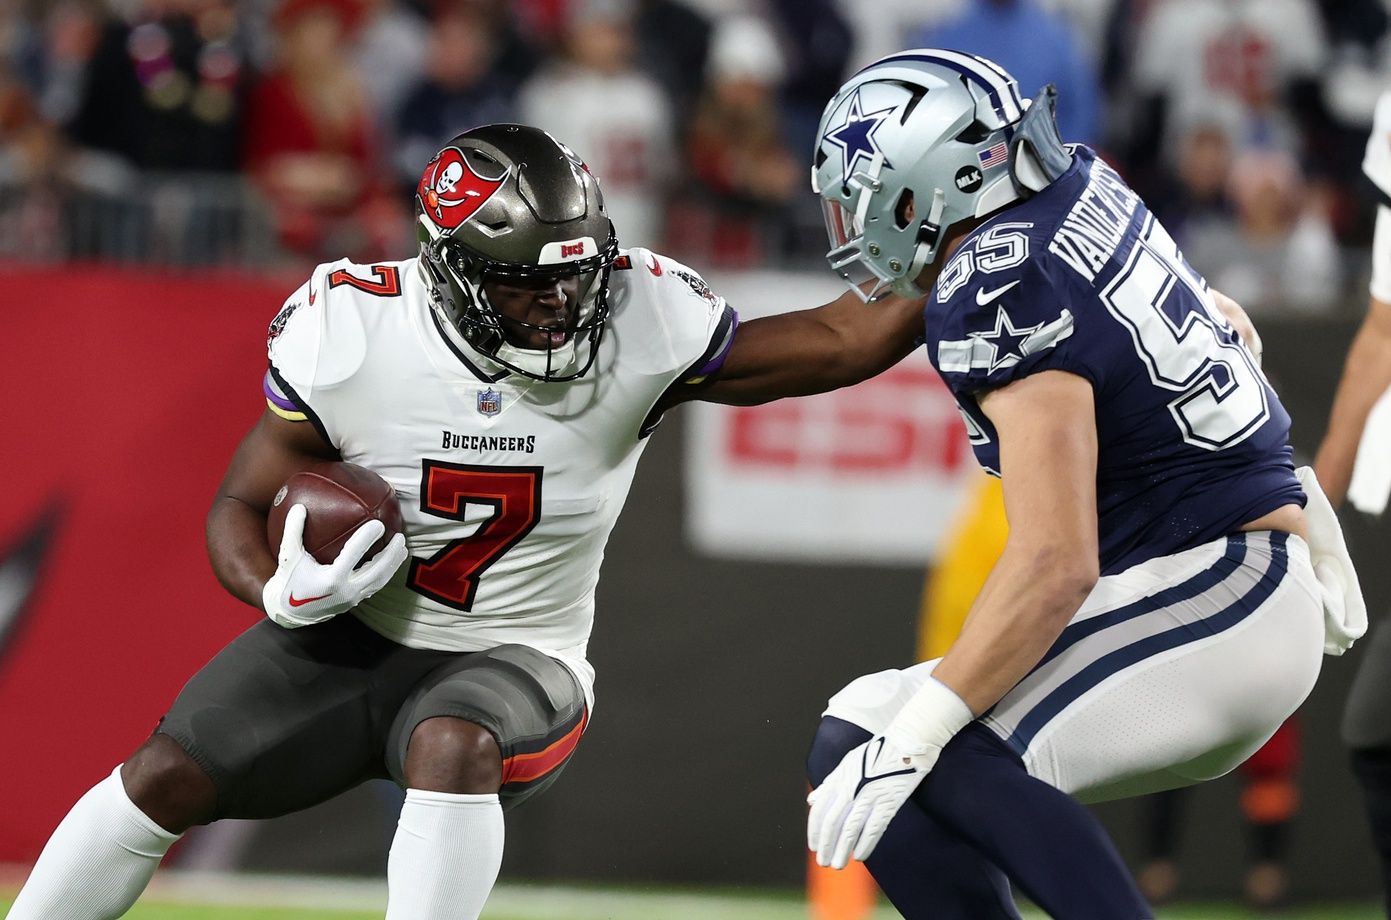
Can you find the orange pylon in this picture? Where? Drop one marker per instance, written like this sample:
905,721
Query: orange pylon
840,894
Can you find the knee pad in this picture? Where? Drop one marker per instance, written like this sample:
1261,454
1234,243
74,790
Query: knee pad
833,740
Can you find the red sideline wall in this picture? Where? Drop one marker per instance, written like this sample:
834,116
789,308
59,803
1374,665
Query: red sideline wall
124,394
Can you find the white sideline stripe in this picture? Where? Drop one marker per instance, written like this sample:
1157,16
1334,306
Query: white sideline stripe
569,903
256,890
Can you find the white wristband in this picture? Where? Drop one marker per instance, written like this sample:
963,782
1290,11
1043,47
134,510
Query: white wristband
929,719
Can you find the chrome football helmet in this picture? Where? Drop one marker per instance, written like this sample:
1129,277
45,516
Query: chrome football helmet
916,143
511,203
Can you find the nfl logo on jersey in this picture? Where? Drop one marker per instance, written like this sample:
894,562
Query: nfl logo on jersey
489,402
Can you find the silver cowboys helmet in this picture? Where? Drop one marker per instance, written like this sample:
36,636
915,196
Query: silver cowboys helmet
510,203
916,143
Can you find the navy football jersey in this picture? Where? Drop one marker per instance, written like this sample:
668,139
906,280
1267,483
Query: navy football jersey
1192,441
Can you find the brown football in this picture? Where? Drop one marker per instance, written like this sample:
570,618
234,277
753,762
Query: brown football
338,498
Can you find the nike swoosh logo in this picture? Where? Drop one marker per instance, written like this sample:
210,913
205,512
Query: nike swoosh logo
654,267
865,777
984,297
301,601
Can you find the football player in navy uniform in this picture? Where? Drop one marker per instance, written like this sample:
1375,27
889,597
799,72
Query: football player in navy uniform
1156,613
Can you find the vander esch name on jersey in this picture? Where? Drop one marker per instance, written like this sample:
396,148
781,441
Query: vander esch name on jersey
454,441
1096,224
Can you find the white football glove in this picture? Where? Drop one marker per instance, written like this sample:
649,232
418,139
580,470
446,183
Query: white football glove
304,591
853,807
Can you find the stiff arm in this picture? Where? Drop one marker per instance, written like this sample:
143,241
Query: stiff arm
811,351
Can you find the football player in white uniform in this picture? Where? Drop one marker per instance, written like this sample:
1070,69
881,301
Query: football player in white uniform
1164,597
1354,440
504,383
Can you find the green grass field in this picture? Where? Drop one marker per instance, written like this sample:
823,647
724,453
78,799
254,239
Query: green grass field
270,898
688,907
693,912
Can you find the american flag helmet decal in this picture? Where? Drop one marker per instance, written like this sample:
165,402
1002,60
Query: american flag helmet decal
996,155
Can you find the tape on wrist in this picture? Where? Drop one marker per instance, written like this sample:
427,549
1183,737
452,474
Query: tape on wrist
929,719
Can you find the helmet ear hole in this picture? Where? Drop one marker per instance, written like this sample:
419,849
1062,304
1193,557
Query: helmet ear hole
904,209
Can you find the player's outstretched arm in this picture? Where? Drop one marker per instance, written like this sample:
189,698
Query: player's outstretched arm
1366,376
272,451
1047,434
812,351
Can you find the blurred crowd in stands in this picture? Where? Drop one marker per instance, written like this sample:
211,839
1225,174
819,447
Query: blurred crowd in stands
267,131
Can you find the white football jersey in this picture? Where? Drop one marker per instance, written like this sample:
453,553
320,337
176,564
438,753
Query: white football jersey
508,486
1377,162
1377,165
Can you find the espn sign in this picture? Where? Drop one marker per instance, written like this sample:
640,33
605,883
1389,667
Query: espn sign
901,422
873,473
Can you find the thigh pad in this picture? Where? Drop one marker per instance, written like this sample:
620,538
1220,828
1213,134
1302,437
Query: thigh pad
531,704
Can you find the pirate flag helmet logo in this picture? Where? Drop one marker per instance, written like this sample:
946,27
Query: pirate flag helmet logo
451,192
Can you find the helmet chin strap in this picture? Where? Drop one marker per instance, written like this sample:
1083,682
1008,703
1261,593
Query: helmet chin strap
435,283
451,330
508,357
930,235
539,363
542,363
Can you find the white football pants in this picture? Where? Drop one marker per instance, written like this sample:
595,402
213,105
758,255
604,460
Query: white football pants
1172,672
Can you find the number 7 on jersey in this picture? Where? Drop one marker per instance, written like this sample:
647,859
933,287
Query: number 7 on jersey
451,575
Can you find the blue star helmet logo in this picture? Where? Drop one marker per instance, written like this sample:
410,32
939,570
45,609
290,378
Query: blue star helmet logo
855,138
